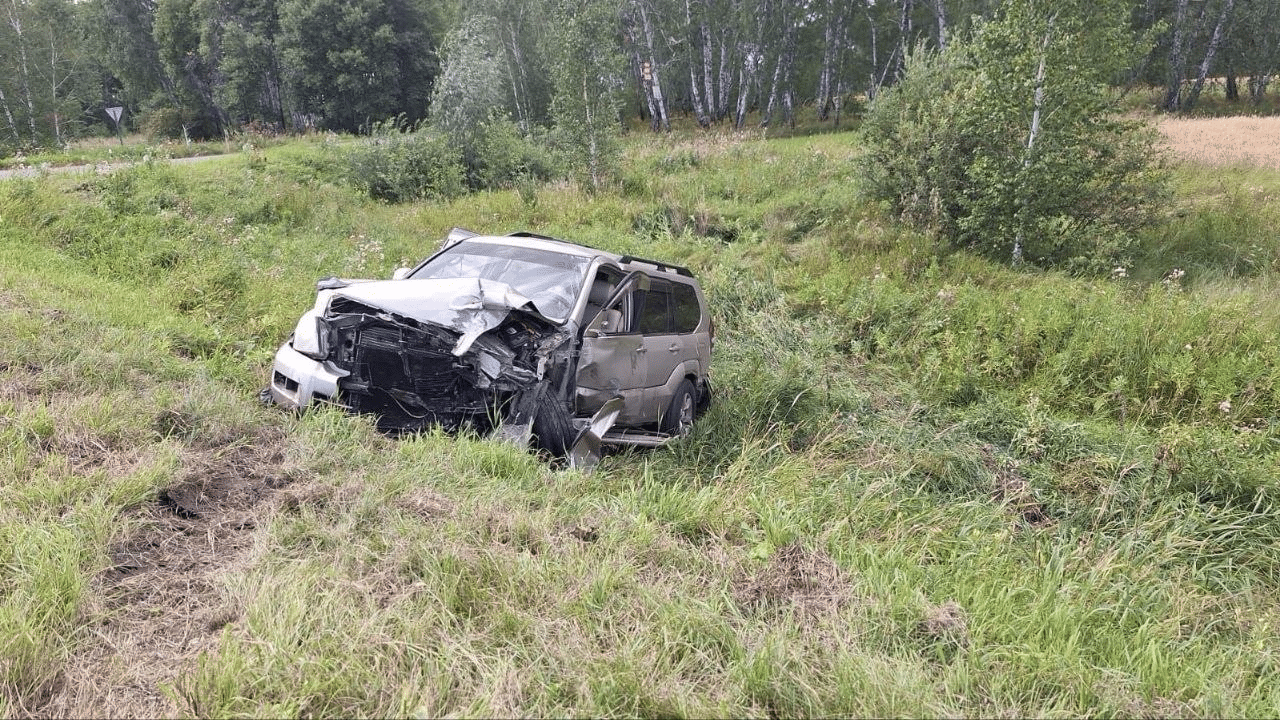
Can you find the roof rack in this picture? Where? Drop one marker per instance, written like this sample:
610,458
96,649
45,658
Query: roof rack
665,267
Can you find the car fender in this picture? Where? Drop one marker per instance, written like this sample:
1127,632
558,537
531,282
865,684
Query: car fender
662,395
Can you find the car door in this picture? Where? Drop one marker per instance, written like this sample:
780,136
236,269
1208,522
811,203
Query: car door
662,347
668,320
686,316
612,358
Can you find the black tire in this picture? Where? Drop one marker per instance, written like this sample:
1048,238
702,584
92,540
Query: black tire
678,420
552,426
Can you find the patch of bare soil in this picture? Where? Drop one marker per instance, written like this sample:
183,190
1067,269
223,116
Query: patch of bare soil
808,582
160,602
427,505
943,632
19,382
1011,490
945,621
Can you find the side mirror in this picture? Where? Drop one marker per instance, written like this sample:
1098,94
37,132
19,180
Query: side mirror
401,273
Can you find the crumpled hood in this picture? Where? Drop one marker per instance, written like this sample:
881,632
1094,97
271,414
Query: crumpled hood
469,306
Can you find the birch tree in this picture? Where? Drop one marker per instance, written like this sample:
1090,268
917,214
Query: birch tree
43,76
1197,32
640,37
1009,142
835,45
696,38
782,57
1224,17
751,58
59,67
21,69
586,68
523,28
726,47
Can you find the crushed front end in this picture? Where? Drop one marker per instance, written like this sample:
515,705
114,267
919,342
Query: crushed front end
421,353
405,371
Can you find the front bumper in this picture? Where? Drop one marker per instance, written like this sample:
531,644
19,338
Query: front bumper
297,380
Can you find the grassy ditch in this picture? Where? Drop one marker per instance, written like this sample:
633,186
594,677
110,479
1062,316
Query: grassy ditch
929,486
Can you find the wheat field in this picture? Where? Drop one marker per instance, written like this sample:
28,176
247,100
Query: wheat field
1229,141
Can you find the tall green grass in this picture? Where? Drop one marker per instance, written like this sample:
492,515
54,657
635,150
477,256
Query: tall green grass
929,485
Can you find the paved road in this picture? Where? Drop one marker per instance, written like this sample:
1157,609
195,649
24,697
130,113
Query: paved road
102,167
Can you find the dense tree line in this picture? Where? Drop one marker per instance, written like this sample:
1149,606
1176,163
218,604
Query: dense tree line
204,68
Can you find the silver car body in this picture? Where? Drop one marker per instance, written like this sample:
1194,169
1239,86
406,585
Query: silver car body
494,329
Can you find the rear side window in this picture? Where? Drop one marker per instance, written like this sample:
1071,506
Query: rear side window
656,317
687,312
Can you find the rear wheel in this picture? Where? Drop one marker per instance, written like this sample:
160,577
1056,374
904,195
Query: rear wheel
678,419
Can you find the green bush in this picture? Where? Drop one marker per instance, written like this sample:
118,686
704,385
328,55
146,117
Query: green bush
497,155
167,123
399,164
1009,144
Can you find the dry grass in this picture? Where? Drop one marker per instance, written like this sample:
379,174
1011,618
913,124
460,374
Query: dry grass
796,579
1240,141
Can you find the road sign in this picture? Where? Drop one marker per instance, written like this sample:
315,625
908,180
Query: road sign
114,112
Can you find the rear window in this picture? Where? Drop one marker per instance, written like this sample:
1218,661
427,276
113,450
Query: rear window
688,313
656,317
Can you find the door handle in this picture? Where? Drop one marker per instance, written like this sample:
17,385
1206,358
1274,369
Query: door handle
673,348
642,349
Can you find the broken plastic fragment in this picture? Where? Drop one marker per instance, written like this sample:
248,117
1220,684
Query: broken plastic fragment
585,453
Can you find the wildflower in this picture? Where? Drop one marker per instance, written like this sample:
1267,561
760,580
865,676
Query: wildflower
1224,406
1119,273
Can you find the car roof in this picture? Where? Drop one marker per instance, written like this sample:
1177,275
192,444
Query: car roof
539,242
542,242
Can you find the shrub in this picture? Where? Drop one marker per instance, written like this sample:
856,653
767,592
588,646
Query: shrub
168,123
498,156
399,164
1008,143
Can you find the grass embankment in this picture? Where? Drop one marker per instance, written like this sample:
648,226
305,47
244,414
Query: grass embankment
929,486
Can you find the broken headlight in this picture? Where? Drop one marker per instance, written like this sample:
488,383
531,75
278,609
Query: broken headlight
311,336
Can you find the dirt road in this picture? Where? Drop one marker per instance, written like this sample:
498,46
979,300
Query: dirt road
99,168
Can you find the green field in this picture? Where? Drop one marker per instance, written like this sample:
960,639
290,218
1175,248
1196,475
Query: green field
930,485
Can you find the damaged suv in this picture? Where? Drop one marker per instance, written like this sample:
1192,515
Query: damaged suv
527,336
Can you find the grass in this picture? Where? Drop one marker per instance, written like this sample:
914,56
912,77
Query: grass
930,486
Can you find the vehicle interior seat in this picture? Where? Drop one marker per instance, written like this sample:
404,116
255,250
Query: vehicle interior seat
601,289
